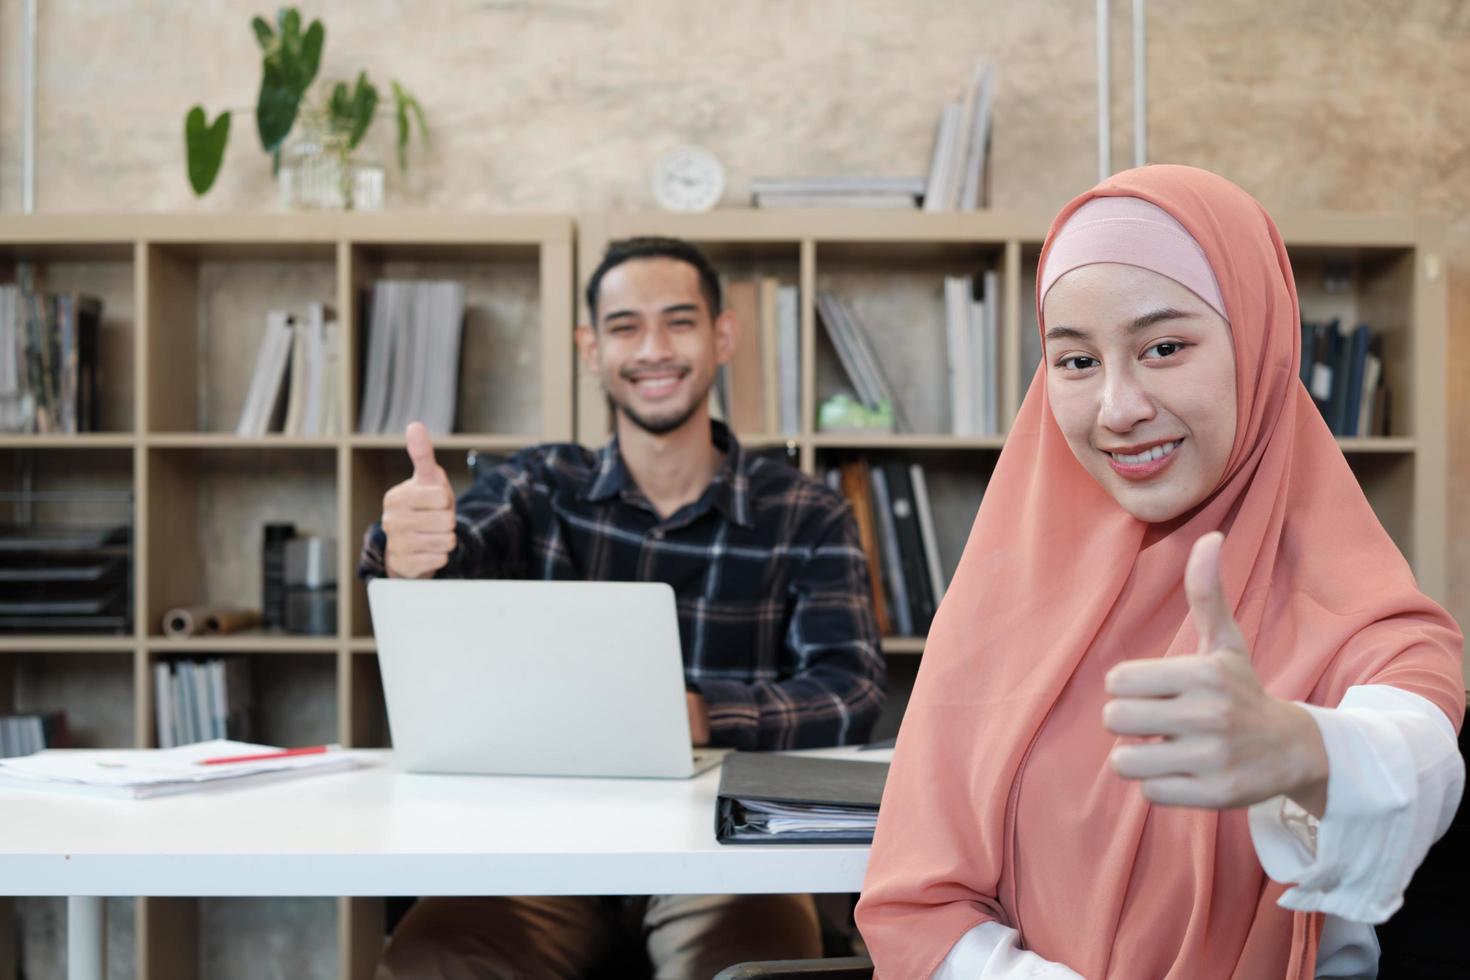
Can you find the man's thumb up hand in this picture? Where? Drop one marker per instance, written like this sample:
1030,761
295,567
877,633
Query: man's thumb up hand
426,471
418,514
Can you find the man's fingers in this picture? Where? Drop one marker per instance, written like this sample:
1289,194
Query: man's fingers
416,566
401,521
1164,677
421,452
1213,619
417,496
425,543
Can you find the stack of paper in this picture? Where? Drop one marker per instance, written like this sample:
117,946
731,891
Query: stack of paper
139,773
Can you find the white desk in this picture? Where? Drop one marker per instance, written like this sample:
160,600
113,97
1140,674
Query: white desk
378,831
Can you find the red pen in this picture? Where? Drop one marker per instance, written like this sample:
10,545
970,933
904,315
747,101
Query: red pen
284,753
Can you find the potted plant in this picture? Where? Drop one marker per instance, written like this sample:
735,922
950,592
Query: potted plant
318,167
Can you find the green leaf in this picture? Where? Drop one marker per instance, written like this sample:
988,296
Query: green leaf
276,106
311,53
263,33
405,103
289,18
288,68
205,145
360,110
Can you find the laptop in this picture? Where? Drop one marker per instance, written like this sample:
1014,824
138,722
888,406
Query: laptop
534,678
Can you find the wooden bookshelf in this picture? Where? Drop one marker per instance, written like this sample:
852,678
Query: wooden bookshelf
184,301
185,297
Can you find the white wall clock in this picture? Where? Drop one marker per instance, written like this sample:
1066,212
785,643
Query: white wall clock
688,178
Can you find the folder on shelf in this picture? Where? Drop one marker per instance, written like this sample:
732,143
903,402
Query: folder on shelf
767,798
135,774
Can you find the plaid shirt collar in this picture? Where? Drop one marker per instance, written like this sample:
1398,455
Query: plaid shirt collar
728,492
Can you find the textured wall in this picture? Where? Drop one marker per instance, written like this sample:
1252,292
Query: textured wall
1354,105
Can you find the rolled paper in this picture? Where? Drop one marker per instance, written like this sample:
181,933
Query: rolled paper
187,621
232,620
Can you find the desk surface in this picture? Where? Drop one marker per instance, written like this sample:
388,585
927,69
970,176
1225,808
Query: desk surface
378,831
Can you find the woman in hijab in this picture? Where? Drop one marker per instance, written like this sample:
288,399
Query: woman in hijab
1184,712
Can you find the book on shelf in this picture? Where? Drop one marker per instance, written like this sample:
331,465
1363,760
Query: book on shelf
314,386
941,159
759,388
912,558
788,362
888,549
929,537
850,340
958,171
854,480
264,409
747,365
413,330
900,193
1343,372
195,701
48,361
770,368
895,521
24,733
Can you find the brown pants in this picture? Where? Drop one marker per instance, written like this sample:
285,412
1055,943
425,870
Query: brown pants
688,937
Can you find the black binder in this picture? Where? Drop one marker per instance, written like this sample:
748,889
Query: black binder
842,793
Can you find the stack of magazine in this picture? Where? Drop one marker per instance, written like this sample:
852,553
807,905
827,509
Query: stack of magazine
294,389
850,339
194,702
48,361
412,334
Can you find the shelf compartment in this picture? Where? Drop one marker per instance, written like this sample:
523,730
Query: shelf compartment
94,688
78,507
896,292
956,484
105,270
291,700
500,382
205,512
369,709
207,306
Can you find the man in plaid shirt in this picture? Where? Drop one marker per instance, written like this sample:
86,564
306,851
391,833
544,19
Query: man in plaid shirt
780,647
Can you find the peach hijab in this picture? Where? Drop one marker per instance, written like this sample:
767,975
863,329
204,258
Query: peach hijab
1000,803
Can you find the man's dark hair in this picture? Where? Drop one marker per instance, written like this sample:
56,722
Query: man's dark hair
650,247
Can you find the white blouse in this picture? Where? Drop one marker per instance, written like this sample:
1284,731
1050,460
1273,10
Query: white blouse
1395,777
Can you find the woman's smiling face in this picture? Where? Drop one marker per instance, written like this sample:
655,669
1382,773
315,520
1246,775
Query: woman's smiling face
1141,379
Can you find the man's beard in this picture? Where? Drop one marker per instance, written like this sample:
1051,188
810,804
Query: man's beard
660,426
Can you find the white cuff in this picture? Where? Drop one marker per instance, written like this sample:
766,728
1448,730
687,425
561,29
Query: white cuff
991,951
1394,780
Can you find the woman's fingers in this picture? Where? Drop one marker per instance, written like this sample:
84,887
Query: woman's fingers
1191,756
1196,713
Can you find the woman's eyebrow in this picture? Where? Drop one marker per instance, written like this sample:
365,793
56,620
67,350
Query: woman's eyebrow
1139,323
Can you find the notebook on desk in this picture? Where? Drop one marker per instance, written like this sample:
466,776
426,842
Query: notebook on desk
534,678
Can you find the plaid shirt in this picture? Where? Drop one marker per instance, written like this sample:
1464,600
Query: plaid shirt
770,580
